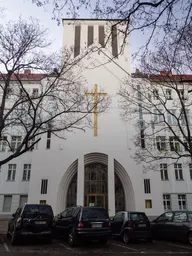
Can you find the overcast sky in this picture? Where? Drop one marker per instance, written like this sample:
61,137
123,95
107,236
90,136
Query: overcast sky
13,9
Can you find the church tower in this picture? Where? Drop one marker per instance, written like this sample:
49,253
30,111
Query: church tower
108,35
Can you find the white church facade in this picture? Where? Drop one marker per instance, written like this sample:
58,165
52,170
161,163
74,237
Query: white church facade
95,167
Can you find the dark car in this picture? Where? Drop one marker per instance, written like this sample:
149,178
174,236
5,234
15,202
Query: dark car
131,225
173,225
31,220
79,223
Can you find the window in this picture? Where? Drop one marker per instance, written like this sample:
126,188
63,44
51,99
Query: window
168,93
182,202
102,36
15,142
48,145
147,187
178,171
35,92
158,116
44,184
114,41
164,172
180,217
190,170
171,117
148,203
185,117
26,172
30,142
166,217
43,202
167,202
155,94
182,94
174,144
3,143
161,143
142,138
23,200
139,216
90,35
11,172
77,41
7,204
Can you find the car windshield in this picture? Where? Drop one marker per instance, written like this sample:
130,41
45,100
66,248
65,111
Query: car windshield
138,216
38,209
96,213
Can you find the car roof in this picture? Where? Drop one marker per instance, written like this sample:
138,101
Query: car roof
130,212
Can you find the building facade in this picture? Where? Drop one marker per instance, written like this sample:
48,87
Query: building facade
96,167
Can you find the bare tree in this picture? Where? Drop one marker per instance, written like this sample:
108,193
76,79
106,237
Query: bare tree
49,100
160,104
158,18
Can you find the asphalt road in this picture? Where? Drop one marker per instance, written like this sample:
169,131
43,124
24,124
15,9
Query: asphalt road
114,247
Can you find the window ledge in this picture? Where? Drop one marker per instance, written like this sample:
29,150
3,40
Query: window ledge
180,180
165,180
25,180
10,180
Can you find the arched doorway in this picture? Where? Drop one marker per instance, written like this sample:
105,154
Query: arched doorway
72,192
119,195
96,186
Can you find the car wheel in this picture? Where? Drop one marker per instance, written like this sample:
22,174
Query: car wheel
189,238
126,238
14,237
103,241
71,238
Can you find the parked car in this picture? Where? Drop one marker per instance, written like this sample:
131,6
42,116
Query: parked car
79,223
173,225
131,225
31,220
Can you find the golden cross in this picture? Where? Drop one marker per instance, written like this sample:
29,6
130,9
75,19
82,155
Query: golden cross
95,94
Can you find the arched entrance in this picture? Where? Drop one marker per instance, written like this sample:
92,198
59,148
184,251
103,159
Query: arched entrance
95,186
72,192
119,195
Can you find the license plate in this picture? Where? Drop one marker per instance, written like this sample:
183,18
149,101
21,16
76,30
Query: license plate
96,225
40,222
142,225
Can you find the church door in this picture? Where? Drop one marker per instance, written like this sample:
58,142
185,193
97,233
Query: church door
96,185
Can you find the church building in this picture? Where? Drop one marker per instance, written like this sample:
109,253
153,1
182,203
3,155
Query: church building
95,167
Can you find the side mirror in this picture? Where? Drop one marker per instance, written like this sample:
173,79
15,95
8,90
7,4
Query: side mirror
13,215
60,216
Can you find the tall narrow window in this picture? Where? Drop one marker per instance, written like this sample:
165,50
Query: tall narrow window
90,35
168,93
35,92
155,94
48,145
7,203
77,42
102,36
114,41
26,172
161,143
147,187
15,142
174,144
3,143
44,184
178,171
182,202
142,138
11,172
164,172
167,202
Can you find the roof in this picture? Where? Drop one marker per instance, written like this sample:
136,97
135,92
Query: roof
88,19
164,76
27,77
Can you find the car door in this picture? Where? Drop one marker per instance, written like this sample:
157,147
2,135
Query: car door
15,216
117,223
60,222
180,225
161,226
